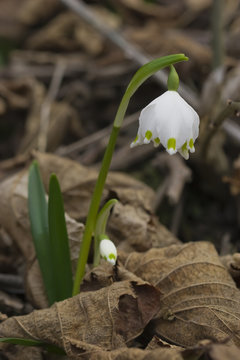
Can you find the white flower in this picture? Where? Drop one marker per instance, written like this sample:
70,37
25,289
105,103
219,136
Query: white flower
108,251
171,121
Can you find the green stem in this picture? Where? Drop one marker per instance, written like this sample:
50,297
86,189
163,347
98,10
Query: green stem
140,76
94,206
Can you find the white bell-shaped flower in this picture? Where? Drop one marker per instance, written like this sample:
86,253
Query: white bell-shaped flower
108,251
171,121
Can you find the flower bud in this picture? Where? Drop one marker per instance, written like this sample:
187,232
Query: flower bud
108,251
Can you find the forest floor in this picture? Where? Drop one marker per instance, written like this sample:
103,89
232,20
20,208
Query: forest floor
173,293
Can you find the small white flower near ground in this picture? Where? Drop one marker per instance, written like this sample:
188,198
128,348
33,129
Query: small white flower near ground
169,120
108,251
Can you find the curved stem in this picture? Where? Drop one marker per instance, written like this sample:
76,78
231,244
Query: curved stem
140,76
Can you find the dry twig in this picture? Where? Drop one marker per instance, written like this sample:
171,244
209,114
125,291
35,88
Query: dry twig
232,108
179,174
46,105
129,49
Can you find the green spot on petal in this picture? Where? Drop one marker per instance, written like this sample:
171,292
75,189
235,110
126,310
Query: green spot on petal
148,135
157,140
105,258
136,139
191,143
112,256
184,147
171,144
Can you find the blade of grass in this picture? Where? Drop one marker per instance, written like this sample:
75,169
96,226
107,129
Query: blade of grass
30,342
59,241
38,213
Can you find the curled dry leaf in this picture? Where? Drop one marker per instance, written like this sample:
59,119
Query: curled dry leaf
105,274
200,299
108,318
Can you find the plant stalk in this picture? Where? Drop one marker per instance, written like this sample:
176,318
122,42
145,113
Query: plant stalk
93,210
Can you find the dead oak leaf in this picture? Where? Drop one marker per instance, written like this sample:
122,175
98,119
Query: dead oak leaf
200,299
108,318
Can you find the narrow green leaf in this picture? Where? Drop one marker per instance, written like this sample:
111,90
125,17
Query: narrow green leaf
30,342
59,241
38,213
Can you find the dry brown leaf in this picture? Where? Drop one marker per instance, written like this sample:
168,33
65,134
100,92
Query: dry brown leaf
10,26
16,94
212,351
66,33
61,116
133,354
196,5
38,11
151,9
205,350
105,274
200,299
224,352
157,343
232,264
108,318
20,352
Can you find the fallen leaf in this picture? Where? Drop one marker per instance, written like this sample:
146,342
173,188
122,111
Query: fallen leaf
139,354
200,299
108,318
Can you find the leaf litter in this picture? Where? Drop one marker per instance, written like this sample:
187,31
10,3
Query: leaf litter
163,296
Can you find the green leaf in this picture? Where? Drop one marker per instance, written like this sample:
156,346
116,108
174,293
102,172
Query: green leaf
59,241
30,342
38,213
100,228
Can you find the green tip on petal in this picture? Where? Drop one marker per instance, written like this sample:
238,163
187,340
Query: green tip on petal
136,139
171,144
112,256
148,135
191,144
184,147
156,142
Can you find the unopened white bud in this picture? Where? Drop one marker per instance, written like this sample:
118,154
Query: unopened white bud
108,251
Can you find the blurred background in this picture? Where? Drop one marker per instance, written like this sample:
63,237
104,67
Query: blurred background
64,66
